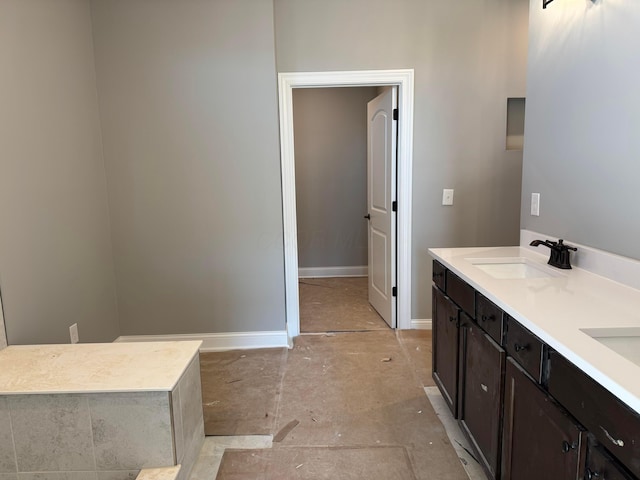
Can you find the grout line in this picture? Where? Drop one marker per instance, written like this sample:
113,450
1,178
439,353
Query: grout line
93,443
13,438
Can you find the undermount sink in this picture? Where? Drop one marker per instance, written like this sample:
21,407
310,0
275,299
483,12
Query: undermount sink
625,341
512,268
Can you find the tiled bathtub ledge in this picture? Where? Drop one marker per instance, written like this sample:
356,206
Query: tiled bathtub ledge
115,408
168,473
94,367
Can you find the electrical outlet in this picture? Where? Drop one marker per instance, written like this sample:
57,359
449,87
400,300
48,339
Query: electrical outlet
447,196
535,204
73,332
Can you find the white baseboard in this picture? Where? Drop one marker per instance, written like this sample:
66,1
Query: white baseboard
421,324
317,272
218,342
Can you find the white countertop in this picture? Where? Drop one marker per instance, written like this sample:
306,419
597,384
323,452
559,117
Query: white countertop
557,308
94,367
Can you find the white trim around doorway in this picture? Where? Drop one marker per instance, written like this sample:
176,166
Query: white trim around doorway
404,79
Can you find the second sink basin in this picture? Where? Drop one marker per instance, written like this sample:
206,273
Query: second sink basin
624,341
512,268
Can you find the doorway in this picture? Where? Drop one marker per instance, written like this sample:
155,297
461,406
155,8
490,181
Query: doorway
336,210
403,80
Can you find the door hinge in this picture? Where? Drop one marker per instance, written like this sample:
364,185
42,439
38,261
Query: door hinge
394,206
394,292
395,114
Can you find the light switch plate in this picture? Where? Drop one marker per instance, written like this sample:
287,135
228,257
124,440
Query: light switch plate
73,332
447,196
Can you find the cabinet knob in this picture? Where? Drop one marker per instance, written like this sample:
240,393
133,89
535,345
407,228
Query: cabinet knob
486,318
567,447
590,474
520,348
452,319
439,274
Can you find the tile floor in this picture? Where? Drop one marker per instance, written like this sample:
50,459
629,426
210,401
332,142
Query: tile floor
341,405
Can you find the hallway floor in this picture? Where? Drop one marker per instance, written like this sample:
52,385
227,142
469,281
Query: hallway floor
338,406
337,305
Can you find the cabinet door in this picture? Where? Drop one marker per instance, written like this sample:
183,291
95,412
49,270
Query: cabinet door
601,466
445,348
482,364
540,440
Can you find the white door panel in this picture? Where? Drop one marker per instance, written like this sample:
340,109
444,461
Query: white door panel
379,125
381,192
377,267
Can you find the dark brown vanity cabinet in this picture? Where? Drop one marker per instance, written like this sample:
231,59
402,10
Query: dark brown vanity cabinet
445,348
540,439
524,407
482,364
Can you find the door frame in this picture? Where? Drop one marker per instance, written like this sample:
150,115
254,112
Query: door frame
404,79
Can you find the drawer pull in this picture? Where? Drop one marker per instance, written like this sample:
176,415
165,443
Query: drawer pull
439,274
616,442
520,348
487,318
567,447
590,475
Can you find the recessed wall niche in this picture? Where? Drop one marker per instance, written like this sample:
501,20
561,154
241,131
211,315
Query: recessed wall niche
515,123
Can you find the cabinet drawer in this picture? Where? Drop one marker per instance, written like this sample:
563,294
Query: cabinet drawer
438,275
600,465
489,317
524,347
615,425
462,293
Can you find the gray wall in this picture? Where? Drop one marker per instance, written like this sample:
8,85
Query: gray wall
188,103
330,126
581,135
187,97
55,253
468,57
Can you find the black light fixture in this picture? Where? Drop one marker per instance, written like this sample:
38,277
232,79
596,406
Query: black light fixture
547,2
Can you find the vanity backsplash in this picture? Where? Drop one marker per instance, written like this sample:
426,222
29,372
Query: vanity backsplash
620,269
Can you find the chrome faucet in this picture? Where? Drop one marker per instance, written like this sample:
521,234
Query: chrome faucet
560,253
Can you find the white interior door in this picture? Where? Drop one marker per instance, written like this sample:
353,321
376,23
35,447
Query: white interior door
381,195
